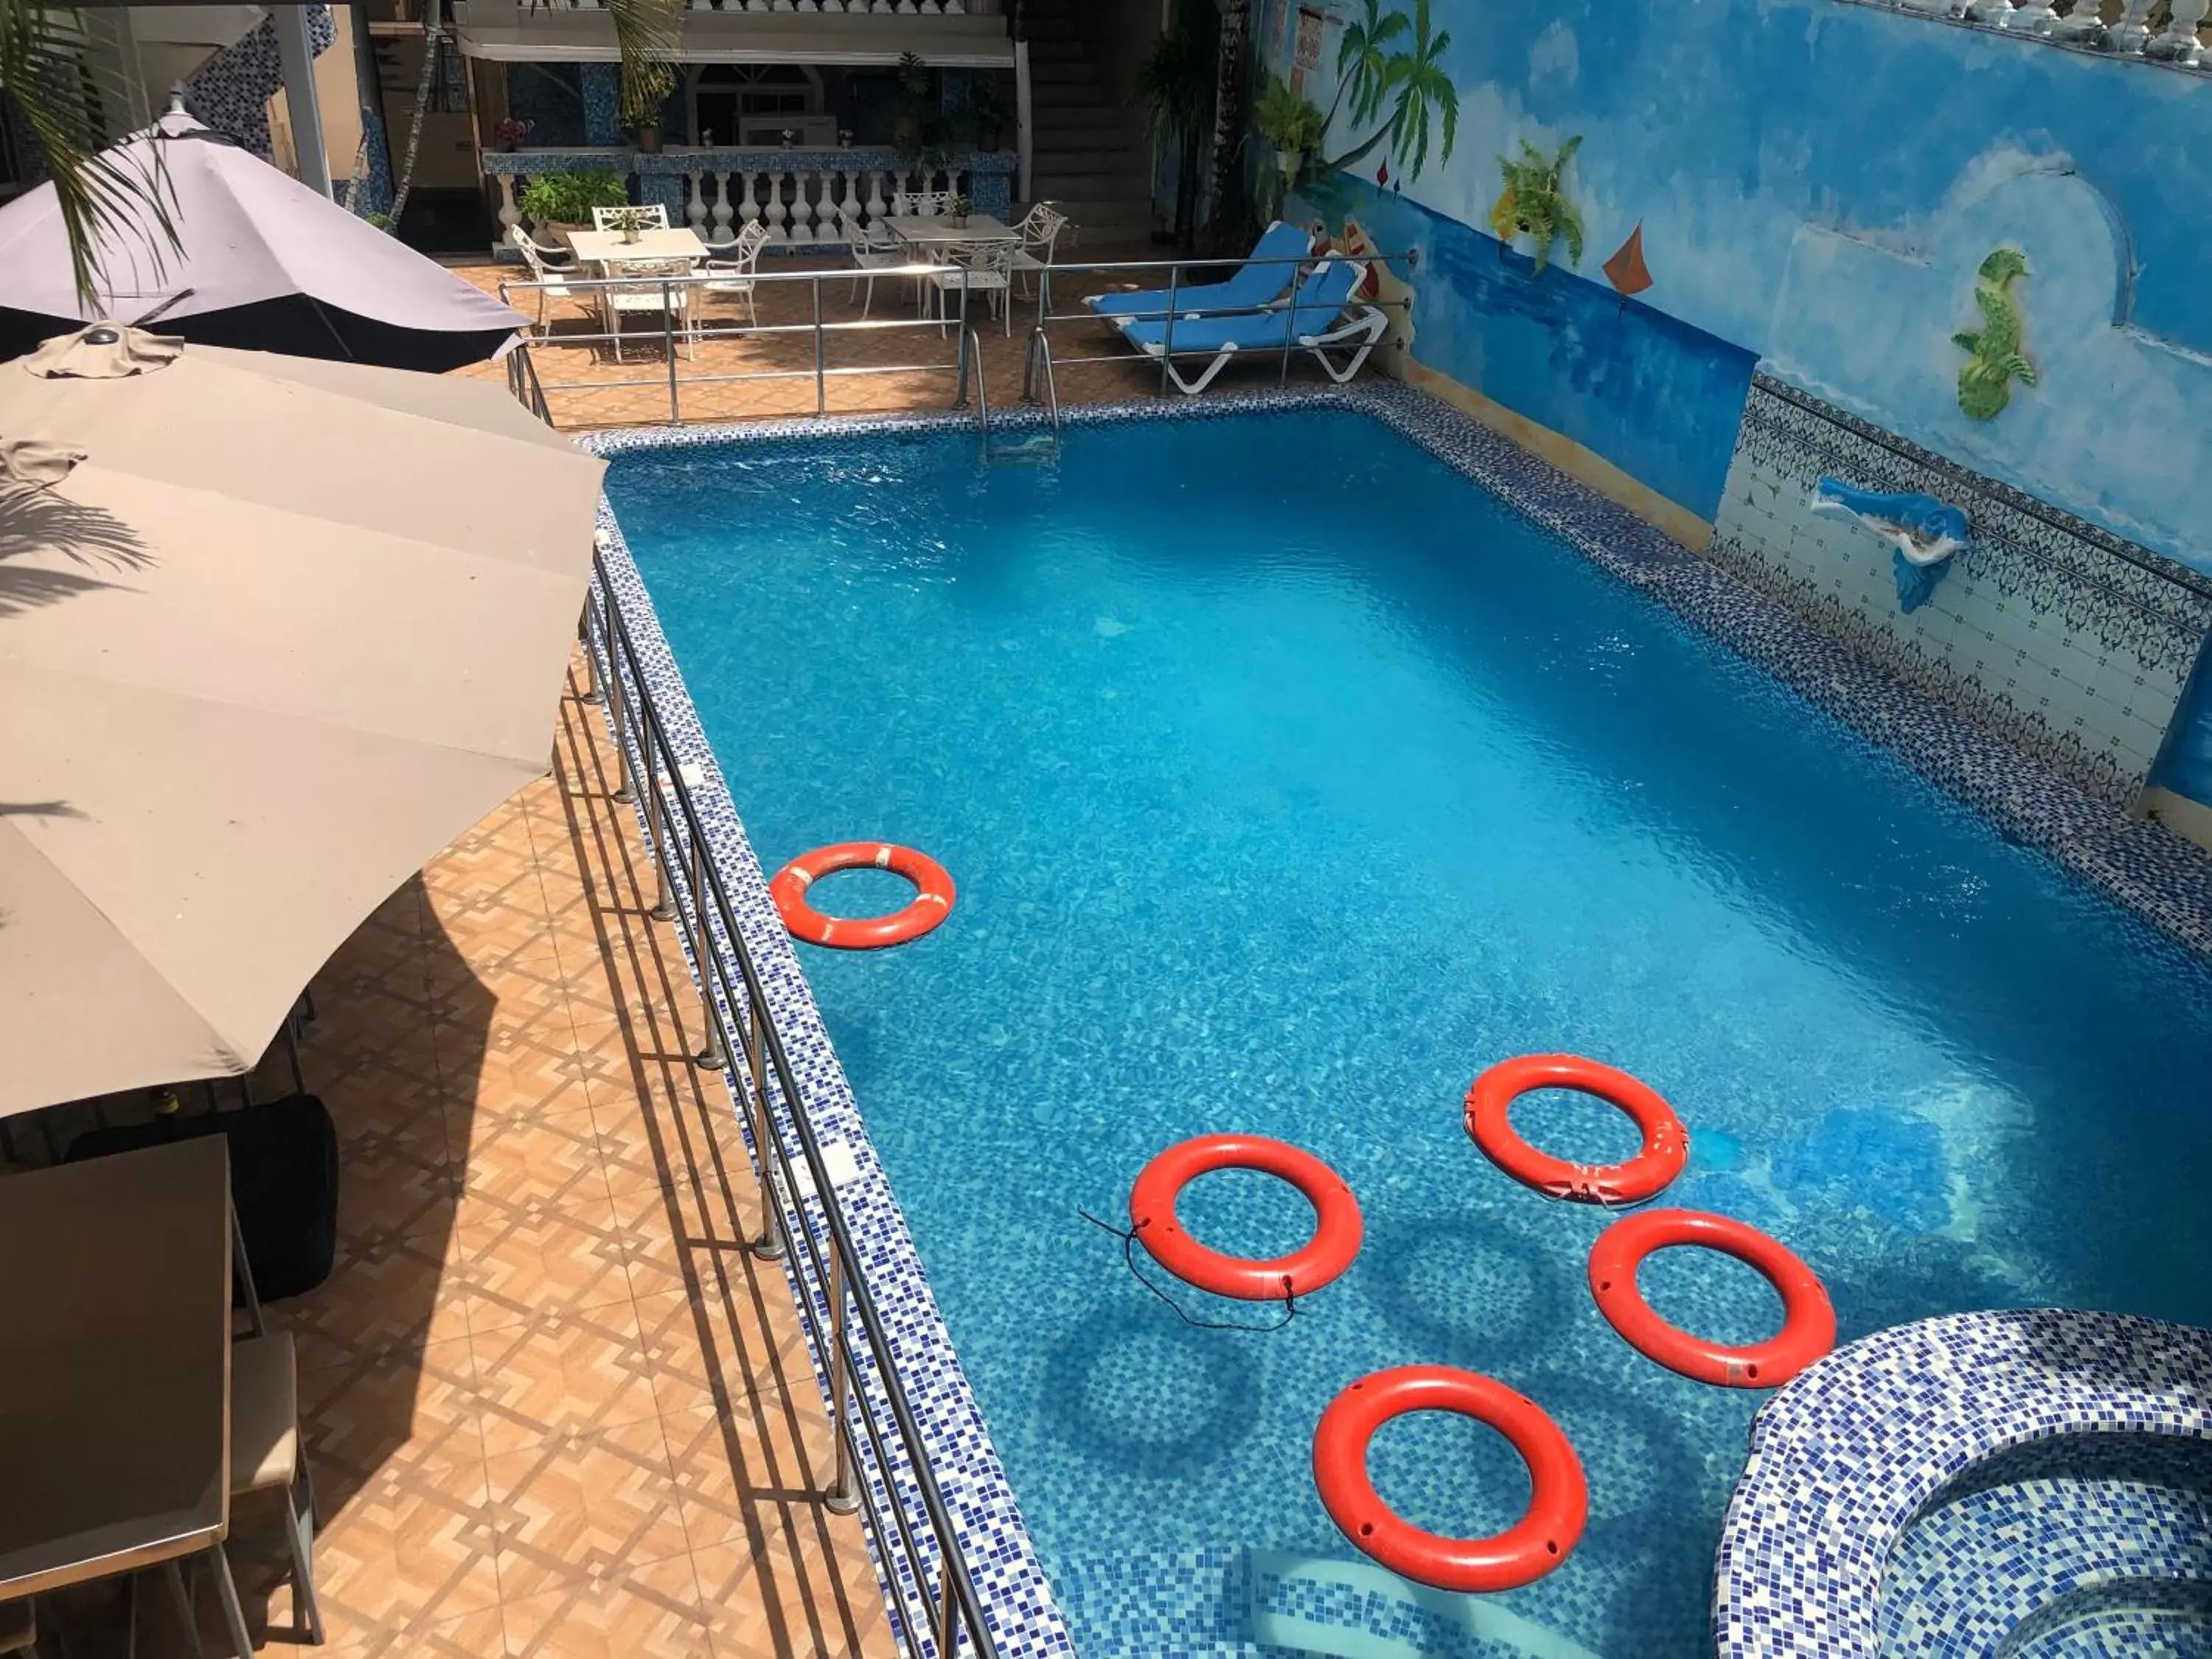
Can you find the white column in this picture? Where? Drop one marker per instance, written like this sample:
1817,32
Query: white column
802,211
2178,40
898,187
510,215
2134,26
876,205
295,56
2082,23
721,207
775,210
749,209
1022,144
695,209
2030,17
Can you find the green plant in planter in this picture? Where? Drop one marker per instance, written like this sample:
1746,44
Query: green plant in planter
567,198
918,129
1532,203
1994,359
987,111
1291,123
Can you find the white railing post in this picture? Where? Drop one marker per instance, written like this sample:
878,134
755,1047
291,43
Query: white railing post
774,209
749,209
2176,42
877,207
802,211
510,215
2030,17
695,209
2134,26
721,207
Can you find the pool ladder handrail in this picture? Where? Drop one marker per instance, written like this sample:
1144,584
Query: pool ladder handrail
799,1212
971,349
1039,356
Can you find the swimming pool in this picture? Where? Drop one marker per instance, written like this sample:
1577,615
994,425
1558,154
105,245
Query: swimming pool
1288,780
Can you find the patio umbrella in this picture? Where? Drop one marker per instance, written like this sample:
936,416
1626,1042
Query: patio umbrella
272,632
266,264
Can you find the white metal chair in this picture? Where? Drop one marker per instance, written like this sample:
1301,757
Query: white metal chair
1040,227
653,216
984,268
642,293
731,266
921,204
874,248
545,271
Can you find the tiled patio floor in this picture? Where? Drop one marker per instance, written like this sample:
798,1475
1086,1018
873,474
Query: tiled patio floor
553,1407
599,402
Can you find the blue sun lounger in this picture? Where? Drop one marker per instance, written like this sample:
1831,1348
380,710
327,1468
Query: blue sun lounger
1261,280
1323,315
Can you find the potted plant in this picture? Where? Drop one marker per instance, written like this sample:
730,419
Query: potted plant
1177,80
630,221
510,132
787,137
987,108
960,207
1291,123
1531,213
917,123
557,204
645,135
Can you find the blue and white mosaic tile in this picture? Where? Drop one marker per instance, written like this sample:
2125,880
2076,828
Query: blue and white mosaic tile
2140,864
232,90
1850,1456
2073,643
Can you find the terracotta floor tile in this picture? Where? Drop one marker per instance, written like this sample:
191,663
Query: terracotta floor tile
648,1610
537,1190
533,1263
566,1374
584,1508
387,1290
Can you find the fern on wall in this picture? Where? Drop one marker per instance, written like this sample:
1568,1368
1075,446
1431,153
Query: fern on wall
1994,357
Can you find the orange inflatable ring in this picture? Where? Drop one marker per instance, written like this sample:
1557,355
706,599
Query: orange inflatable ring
932,903
1808,1323
1325,1255
1539,1541
1666,1147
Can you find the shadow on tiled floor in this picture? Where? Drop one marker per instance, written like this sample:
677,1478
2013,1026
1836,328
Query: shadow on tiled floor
552,1406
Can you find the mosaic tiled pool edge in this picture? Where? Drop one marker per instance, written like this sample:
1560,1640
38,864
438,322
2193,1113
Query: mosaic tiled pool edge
1845,1457
2140,865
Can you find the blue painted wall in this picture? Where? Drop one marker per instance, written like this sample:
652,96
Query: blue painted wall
1817,181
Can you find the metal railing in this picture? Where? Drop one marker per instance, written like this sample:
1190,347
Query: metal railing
743,1043
683,297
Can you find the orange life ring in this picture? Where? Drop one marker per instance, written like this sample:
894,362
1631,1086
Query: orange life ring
1666,1146
1325,1255
1808,1323
932,903
1559,1503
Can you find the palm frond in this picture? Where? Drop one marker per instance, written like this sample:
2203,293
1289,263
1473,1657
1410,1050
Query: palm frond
107,201
646,34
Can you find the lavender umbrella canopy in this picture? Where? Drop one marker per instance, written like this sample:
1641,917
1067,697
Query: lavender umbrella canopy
269,266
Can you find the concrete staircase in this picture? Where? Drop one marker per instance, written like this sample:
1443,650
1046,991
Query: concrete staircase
1086,153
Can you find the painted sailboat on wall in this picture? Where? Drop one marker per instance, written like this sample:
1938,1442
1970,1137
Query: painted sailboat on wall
1625,270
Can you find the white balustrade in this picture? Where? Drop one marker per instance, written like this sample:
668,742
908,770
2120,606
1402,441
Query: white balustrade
802,211
2030,17
749,209
721,207
694,208
876,206
2134,26
509,215
2176,42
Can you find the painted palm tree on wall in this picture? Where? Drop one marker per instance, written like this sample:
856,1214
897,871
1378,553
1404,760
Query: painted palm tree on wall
65,103
1410,82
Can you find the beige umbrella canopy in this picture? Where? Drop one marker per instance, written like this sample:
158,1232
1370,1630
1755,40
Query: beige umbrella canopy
272,632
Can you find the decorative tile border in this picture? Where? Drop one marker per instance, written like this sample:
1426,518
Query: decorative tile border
2070,641
2139,865
1846,1457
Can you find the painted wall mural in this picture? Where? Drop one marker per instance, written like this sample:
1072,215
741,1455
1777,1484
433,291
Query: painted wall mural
1816,188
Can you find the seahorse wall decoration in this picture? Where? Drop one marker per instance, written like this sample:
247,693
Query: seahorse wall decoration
1994,359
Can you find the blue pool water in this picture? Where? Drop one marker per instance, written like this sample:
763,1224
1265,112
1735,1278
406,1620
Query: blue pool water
1288,780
